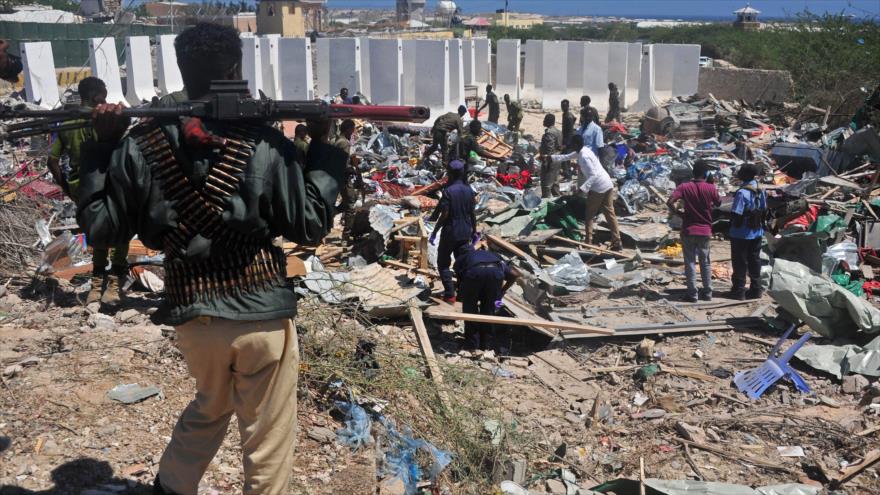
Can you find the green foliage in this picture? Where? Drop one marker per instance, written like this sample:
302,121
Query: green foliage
827,61
66,5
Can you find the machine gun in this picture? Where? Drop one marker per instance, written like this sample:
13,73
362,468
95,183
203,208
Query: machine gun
225,101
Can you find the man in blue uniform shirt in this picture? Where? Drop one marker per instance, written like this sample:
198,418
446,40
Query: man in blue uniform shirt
483,278
747,234
456,217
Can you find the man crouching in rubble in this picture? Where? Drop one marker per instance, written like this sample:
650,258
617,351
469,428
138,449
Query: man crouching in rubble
226,290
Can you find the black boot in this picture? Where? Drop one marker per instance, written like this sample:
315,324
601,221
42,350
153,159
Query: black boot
754,293
737,294
158,490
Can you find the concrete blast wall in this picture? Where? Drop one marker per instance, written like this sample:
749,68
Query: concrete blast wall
166,65
252,63
295,69
270,65
456,74
633,74
386,74
432,75
339,65
554,66
40,84
139,70
105,66
467,59
507,63
482,61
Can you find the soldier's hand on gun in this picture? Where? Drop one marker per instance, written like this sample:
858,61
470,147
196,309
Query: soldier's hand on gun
109,123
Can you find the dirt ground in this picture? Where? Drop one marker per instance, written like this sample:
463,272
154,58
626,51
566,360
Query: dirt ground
576,405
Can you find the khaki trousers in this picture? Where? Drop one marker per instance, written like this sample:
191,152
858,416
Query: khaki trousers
604,203
244,367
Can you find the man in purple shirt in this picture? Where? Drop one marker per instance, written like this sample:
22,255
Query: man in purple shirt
699,197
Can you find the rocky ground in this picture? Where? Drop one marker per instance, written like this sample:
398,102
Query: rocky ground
588,407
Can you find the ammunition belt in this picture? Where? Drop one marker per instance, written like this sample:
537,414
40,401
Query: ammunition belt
237,263
230,274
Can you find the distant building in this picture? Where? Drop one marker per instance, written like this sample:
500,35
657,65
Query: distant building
410,9
99,8
747,18
517,21
289,18
245,22
40,13
166,9
476,24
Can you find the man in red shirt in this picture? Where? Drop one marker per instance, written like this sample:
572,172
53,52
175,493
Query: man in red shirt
699,197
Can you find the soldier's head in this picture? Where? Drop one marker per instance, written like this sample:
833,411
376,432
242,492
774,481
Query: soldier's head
576,142
343,93
747,172
488,88
585,101
549,120
701,169
207,52
565,105
475,127
346,128
301,131
92,92
462,110
506,98
355,100
612,86
10,65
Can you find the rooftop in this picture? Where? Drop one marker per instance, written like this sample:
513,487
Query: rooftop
747,10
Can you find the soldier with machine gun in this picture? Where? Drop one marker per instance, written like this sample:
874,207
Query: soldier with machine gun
211,183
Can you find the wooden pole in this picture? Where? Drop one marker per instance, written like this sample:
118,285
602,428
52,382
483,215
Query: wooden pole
503,320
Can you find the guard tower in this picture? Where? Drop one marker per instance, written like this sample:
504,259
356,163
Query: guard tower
747,18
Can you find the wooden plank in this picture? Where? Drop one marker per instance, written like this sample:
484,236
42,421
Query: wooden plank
731,454
503,320
415,314
591,247
423,245
851,472
510,247
404,266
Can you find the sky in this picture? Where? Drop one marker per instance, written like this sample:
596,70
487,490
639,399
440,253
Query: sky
711,9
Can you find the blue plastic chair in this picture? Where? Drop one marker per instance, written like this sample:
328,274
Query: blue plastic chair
755,382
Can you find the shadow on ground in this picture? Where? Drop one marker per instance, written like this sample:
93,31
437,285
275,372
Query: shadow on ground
72,477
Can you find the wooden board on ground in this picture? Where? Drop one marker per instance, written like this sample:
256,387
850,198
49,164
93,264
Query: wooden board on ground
295,267
415,315
503,320
537,236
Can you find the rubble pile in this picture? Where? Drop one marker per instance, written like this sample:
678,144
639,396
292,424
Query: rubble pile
604,380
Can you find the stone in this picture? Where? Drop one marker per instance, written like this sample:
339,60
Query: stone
392,486
554,486
321,434
11,300
698,354
129,315
100,321
854,384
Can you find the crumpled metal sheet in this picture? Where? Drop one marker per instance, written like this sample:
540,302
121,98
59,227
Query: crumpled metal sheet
382,218
571,272
826,307
382,291
840,360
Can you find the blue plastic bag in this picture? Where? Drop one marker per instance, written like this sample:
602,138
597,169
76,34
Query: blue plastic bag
356,432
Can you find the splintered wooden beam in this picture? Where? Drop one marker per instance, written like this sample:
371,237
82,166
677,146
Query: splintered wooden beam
503,320
851,472
415,314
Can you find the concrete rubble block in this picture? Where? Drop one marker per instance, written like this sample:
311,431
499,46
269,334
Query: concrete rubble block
854,384
296,81
270,65
167,71
322,434
339,65
507,63
40,83
252,63
386,72
138,70
105,66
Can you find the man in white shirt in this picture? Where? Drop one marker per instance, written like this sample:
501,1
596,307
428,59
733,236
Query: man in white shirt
599,188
